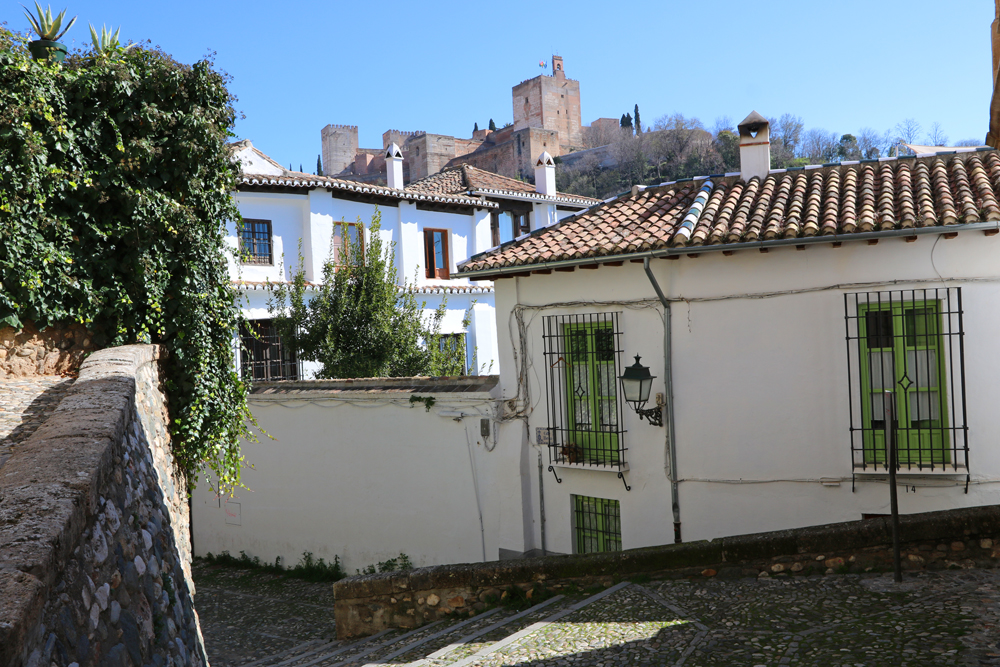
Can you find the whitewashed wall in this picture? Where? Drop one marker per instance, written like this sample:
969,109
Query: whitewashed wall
363,479
760,385
312,218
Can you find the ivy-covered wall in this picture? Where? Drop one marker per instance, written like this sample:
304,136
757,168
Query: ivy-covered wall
115,181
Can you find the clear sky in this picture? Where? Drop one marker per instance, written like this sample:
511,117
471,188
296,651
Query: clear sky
439,67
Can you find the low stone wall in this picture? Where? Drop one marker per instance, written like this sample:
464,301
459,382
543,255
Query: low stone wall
54,351
962,538
94,533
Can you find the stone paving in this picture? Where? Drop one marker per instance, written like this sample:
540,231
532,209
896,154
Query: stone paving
942,618
25,403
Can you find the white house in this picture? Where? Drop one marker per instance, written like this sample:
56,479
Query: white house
774,308
434,225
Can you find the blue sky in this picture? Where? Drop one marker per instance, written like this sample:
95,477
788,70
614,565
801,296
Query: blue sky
440,67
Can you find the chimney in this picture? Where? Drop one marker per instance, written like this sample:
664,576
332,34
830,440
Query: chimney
545,174
755,147
394,166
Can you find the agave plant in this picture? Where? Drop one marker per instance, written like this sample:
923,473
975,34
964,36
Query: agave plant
107,41
46,26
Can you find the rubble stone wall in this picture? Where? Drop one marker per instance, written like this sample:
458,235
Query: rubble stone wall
952,539
94,529
56,350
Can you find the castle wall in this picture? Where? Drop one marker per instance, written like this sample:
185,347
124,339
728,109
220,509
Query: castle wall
552,103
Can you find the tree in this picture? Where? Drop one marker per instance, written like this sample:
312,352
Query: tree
869,143
300,167
674,141
493,126
319,165
848,148
626,122
359,323
936,135
908,131
820,146
475,128
638,123
786,136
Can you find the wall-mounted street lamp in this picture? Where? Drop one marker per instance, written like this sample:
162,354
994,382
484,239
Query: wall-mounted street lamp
636,384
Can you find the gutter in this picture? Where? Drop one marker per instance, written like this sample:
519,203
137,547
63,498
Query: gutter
524,269
671,434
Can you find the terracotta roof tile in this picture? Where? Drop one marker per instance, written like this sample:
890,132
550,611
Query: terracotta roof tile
870,196
466,179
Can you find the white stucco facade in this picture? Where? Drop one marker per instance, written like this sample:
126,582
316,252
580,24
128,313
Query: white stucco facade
761,393
310,217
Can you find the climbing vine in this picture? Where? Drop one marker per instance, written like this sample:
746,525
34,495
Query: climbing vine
115,183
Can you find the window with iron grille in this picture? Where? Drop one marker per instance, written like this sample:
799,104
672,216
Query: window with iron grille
255,242
350,249
453,347
583,360
263,356
910,343
597,523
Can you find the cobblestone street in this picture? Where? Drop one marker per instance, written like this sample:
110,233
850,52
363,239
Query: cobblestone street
25,403
943,618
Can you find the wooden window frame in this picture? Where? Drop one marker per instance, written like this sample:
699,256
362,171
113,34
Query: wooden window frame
338,248
251,245
520,221
264,356
433,271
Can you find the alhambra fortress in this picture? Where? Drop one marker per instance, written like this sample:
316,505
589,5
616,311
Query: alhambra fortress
546,118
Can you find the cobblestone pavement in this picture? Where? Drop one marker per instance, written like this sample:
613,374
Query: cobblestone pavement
943,618
25,403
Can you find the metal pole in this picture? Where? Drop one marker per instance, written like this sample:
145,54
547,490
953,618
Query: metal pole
890,439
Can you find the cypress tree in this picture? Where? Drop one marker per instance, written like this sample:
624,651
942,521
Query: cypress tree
493,126
475,128
319,165
638,123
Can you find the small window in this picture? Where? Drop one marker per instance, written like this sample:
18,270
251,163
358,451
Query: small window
355,241
263,355
255,242
597,524
436,253
452,347
508,225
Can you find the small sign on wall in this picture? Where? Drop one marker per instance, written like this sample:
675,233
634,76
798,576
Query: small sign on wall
543,436
232,514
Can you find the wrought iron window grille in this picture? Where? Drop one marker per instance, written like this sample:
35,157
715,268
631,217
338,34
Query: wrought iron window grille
263,355
583,362
598,524
910,342
256,246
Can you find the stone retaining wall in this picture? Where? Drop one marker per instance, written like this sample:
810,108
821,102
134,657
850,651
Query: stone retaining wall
54,351
94,533
962,538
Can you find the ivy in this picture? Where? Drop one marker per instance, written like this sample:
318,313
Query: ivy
115,183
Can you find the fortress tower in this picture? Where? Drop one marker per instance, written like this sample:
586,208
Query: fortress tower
339,146
552,103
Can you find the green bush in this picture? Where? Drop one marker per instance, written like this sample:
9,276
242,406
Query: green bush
308,568
115,184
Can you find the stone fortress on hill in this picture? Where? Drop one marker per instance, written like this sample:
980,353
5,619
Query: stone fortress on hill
546,118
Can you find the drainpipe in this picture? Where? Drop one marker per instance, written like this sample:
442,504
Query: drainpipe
669,407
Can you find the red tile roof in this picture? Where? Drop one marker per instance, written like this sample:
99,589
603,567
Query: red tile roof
840,199
300,180
465,178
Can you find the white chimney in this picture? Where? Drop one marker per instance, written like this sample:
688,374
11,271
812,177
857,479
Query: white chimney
394,166
755,147
545,174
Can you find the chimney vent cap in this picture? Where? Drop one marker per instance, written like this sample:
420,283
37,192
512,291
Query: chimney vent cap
393,152
752,124
545,160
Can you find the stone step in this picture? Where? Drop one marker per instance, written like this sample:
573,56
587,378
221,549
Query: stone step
468,651
318,652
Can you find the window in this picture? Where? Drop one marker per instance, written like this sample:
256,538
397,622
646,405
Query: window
452,347
355,240
598,524
583,358
264,356
909,342
436,253
255,242
508,225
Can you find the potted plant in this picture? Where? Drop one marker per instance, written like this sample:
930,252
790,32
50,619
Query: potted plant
107,42
47,46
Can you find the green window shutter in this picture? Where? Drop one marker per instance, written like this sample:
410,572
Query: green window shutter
597,523
592,393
